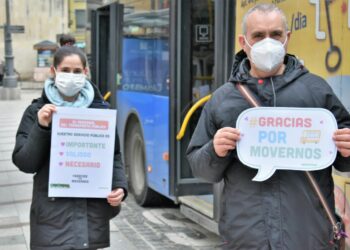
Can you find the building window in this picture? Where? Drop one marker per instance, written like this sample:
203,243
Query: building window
80,17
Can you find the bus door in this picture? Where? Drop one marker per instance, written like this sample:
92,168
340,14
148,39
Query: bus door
206,35
225,20
106,30
192,72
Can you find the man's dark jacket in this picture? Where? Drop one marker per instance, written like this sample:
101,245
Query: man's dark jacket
62,223
282,212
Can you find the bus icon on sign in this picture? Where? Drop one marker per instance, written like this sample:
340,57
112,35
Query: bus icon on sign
310,136
203,33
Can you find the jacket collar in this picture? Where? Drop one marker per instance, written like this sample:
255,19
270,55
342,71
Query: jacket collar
241,67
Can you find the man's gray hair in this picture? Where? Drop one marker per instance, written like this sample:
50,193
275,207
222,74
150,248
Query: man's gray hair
266,8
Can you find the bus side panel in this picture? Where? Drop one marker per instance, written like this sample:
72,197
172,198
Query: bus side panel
153,113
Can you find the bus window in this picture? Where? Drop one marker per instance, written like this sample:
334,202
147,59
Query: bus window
145,64
143,98
202,48
202,52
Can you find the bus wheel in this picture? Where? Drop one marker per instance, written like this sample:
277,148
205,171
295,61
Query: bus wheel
136,162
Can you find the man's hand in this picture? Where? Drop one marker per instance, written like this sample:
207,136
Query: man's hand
341,138
115,197
225,139
45,114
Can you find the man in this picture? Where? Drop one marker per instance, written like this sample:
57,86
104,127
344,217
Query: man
282,212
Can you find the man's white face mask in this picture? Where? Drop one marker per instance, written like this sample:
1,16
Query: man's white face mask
69,84
267,54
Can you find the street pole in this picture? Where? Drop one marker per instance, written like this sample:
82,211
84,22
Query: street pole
10,90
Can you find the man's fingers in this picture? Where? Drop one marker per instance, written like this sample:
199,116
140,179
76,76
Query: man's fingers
228,133
342,131
225,141
342,138
342,144
345,152
228,130
227,147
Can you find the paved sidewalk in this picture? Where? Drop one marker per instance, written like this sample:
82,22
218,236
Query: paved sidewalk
15,186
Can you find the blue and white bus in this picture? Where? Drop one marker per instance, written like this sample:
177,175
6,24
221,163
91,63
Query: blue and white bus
157,60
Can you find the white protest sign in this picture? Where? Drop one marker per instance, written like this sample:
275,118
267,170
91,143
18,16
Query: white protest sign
82,152
286,138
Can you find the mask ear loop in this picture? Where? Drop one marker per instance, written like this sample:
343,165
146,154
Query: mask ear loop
285,41
54,73
284,46
245,39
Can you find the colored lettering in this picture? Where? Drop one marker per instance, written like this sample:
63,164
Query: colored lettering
85,145
272,136
285,152
287,122
82,164
78,154
299,21
64,134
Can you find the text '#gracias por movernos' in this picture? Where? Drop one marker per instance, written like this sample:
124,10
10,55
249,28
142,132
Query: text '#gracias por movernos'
277,137
285,122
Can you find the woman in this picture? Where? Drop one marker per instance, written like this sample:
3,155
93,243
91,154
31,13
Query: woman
64,223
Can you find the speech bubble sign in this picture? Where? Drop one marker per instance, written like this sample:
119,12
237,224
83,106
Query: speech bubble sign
286,138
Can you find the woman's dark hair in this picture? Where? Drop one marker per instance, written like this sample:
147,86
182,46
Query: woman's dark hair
64,51
67,39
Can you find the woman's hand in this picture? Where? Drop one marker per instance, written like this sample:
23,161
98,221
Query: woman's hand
45,114
115,197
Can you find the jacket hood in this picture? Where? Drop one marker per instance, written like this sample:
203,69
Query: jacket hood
241,67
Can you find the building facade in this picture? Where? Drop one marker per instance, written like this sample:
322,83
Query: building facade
42,20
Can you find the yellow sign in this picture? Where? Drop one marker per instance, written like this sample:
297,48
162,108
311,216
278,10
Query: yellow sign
320,37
